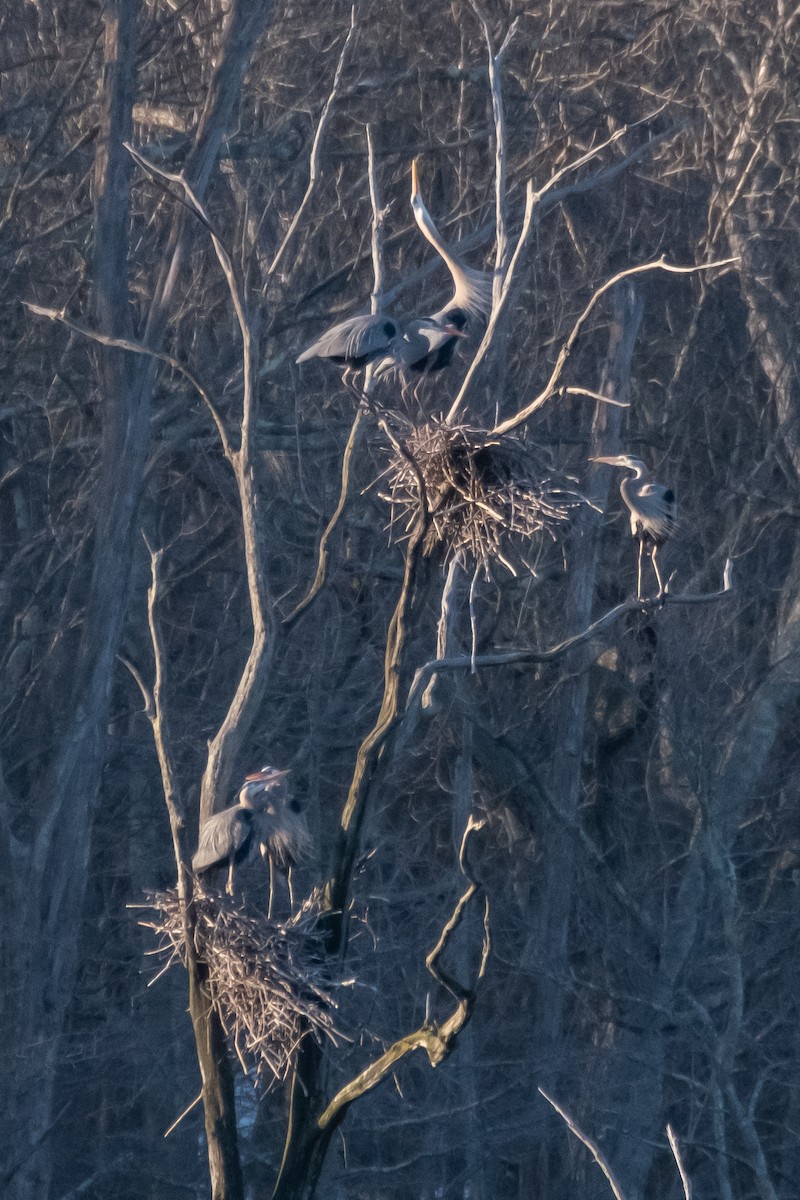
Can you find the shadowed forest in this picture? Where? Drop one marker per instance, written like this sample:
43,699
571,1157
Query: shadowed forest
580,809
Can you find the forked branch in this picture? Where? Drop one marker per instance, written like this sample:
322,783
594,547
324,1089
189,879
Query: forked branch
552,385
313,161
252,681
534,198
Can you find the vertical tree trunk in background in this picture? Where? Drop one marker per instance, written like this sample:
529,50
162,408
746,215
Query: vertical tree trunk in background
60,854
59,858
546,955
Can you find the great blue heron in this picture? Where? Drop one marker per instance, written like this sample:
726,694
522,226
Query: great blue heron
264,815
359,341
652,509
440,331
422,344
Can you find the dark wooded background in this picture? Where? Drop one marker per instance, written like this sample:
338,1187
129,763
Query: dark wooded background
642,847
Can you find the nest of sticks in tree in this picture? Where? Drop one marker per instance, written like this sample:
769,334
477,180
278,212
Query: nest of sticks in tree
484,497
267,979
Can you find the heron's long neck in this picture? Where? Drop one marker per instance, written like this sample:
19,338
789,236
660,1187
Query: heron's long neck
429,230
628,482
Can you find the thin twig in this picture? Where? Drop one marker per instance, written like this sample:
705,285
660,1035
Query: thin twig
579,391
313,161
57,314
158,722
185,1113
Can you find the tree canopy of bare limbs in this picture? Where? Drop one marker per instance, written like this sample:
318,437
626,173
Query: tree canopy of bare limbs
554,875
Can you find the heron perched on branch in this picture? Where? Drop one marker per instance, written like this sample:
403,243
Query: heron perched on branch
266,816
652,511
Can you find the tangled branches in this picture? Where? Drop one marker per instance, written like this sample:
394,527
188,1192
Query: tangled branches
483,497
267,979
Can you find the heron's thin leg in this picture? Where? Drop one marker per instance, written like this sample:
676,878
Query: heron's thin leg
229,884
271,890
347,380
417,386
639,571
405,384
654,560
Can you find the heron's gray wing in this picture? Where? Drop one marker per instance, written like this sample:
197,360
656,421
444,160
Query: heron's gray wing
221,836
354,338
657,507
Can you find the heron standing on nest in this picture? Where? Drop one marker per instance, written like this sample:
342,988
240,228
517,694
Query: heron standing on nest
265,815
437,335
422,344
355,343
652,510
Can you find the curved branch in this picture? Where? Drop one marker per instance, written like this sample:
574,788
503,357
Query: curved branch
323,553
57,314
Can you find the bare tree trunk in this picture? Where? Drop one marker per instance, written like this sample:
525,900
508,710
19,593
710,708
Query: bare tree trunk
59,858
60,854
548,949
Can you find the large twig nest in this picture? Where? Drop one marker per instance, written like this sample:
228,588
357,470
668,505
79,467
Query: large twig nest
485,499
267,979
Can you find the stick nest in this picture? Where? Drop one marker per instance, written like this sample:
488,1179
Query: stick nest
484,497
267,979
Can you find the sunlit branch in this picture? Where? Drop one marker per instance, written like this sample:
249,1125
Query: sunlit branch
590,1145
436,1039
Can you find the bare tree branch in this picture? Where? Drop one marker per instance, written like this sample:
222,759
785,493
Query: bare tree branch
504,658
437,1040
590,1145
676,1152
54,314
313,161
323,553
533,201
550,388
